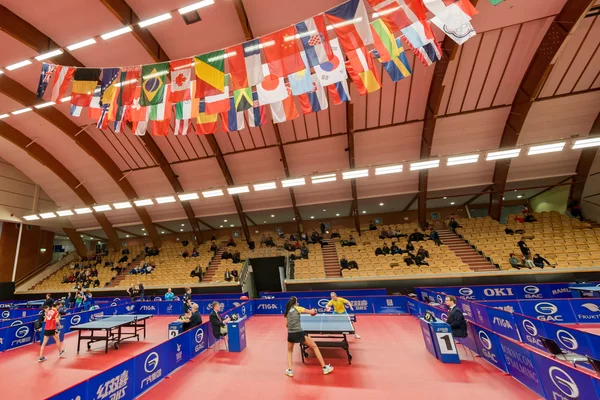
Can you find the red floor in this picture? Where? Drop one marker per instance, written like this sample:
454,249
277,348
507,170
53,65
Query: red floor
390,362
21,376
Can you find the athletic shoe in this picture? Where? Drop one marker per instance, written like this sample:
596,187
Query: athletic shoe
42,359
327,369
289,372
356,335
62,353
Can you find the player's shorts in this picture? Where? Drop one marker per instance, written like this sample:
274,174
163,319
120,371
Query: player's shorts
296,337
50,333
340,313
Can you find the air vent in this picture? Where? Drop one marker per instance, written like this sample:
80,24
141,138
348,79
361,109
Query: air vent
191,17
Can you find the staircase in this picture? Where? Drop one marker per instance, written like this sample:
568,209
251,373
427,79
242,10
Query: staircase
214,264
466,253
330,259
117,279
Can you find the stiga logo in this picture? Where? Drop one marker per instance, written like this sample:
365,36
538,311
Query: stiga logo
5,314
113,304
485,340
151,362
547,310
444,317
567,339
439,299
502,322
75,319
267,307
157,298
22,332
532,292
564,383
148,308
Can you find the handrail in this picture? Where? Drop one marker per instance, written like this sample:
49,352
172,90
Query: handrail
38,269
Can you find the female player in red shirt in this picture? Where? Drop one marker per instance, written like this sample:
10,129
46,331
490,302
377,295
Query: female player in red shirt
52,320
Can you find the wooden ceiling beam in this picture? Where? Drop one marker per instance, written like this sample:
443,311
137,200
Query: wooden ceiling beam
584,165
350,131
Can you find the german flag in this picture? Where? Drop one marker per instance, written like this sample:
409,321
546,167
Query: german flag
85,81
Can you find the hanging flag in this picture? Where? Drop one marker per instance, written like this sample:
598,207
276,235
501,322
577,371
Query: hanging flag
256,115
210,73
160,128
397,68
334,70
453,19
128,84
284,110
84,84
163,109
385,43
245,65
45,75
139,128
62,78
138,115
351,24
205,123
95,107
108,77
154,80
421,39
282,52
76,111
496,2
362,70
314,101
271,89
313,35
301,82
232,120
182,126
181,73
119,118
243,99
185,111
339,92
219,102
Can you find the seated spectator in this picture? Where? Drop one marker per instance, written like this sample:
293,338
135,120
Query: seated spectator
136,270
292,238
509,231
185,242
539,261
226,255
410,247
386,250
87,283
351,241
213,238
353,264
418,259
231,242
384,234
195,253
408,259
344,263
378,251
270,242
372,226
227,275
524,248
304,251
395,249
528,262
453,225
125,251
297,245
197,272
65,279
574,209
124,259
192,318
530,218
235,275
95,282
185,253
519,218
169,296
94,272
303,237
236,258
514,262
416,236
281,235
423,253
263,240
335,234
434,235
251,244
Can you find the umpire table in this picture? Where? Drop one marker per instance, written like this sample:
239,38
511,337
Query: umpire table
112,329
328,330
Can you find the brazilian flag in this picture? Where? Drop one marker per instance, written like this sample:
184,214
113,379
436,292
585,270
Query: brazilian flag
154,81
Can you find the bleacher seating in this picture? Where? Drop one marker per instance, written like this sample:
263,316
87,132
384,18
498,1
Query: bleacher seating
311,268
560,239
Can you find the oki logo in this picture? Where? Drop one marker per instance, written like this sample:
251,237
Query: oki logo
501,292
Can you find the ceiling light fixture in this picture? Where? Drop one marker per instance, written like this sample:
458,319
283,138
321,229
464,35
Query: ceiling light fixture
424,165
238,190
337,215
188,196
65,99
167,199
473,158
143,229
392,169
48,215
104,207
293,182
583,143
120,206
232,225
18,65
452,203
264,186
381,204
143,202
224,220
357,173
64,213
519,196
79,45
84,210
323,178
364,212
22,111
220,226
546,148
212,193
272,216
2,116
161,232
154,20
50,54
116,33
31,217
312,217
44,105
500,155
195,6
181,230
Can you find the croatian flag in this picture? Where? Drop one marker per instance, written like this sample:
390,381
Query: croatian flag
256,115
313,34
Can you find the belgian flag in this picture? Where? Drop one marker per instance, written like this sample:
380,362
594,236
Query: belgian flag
85,81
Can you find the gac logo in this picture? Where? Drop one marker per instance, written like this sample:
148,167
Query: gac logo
567,339
199,335
546,308
465,291
564,382
22,332
151,362
530,327
485,340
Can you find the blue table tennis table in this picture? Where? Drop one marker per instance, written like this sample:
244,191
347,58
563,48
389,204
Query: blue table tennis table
31,304
578,291
330,330
111,329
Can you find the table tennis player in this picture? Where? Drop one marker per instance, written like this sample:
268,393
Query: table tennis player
296,334
50,330
339,307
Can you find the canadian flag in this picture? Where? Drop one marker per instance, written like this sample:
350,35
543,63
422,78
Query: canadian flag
181,71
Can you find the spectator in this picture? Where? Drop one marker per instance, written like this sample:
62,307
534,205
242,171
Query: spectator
530,218
395,249
231,242
344,263
539,261
435,237
416,236
213,246
378,251
384,234
514,262
386,250
70,300
263,240
453,225
322,226
293,238
236,258
235,274
195,253
187,300
88,302
524,248
372,226
125,251
123,259
135,270
304,251
528,262
226,255
456,319
410,247
351,241
185,242
335,234
509,231
213,237
251,244
219,329
185,253
423,253
49,301
169,296
303,237
270,242
352,264
297,245
574,208
227,275
519,218
65,279
418,259
193,320
197,272
141,290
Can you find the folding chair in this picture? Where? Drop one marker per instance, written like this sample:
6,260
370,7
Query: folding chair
557,352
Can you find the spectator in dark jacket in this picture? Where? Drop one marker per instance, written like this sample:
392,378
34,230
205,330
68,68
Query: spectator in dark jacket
539,261
435,237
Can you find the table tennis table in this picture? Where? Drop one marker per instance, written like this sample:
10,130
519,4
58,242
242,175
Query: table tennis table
31,304
328,330
111,329
581,289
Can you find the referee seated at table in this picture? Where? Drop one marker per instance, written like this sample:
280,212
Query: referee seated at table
339,307
456,319
193,320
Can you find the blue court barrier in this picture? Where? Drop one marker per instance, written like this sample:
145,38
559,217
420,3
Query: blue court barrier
361,305
323,293
504,292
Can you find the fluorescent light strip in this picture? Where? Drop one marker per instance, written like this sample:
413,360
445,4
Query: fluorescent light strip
65,99
195,6
79,45
583,143
120,206
85,210
155,75
22,111
31,217
424,165
341,24
293,182
463,160
48,215
546,148
264,186
188,196
44,105
116,33
323,178
104,207
50,54
64,213
18,65
359,173
1,72
384,12
167,199
143,202
155,20
129,82
238,190
212,193
2,116
499,155
392,169
224,56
